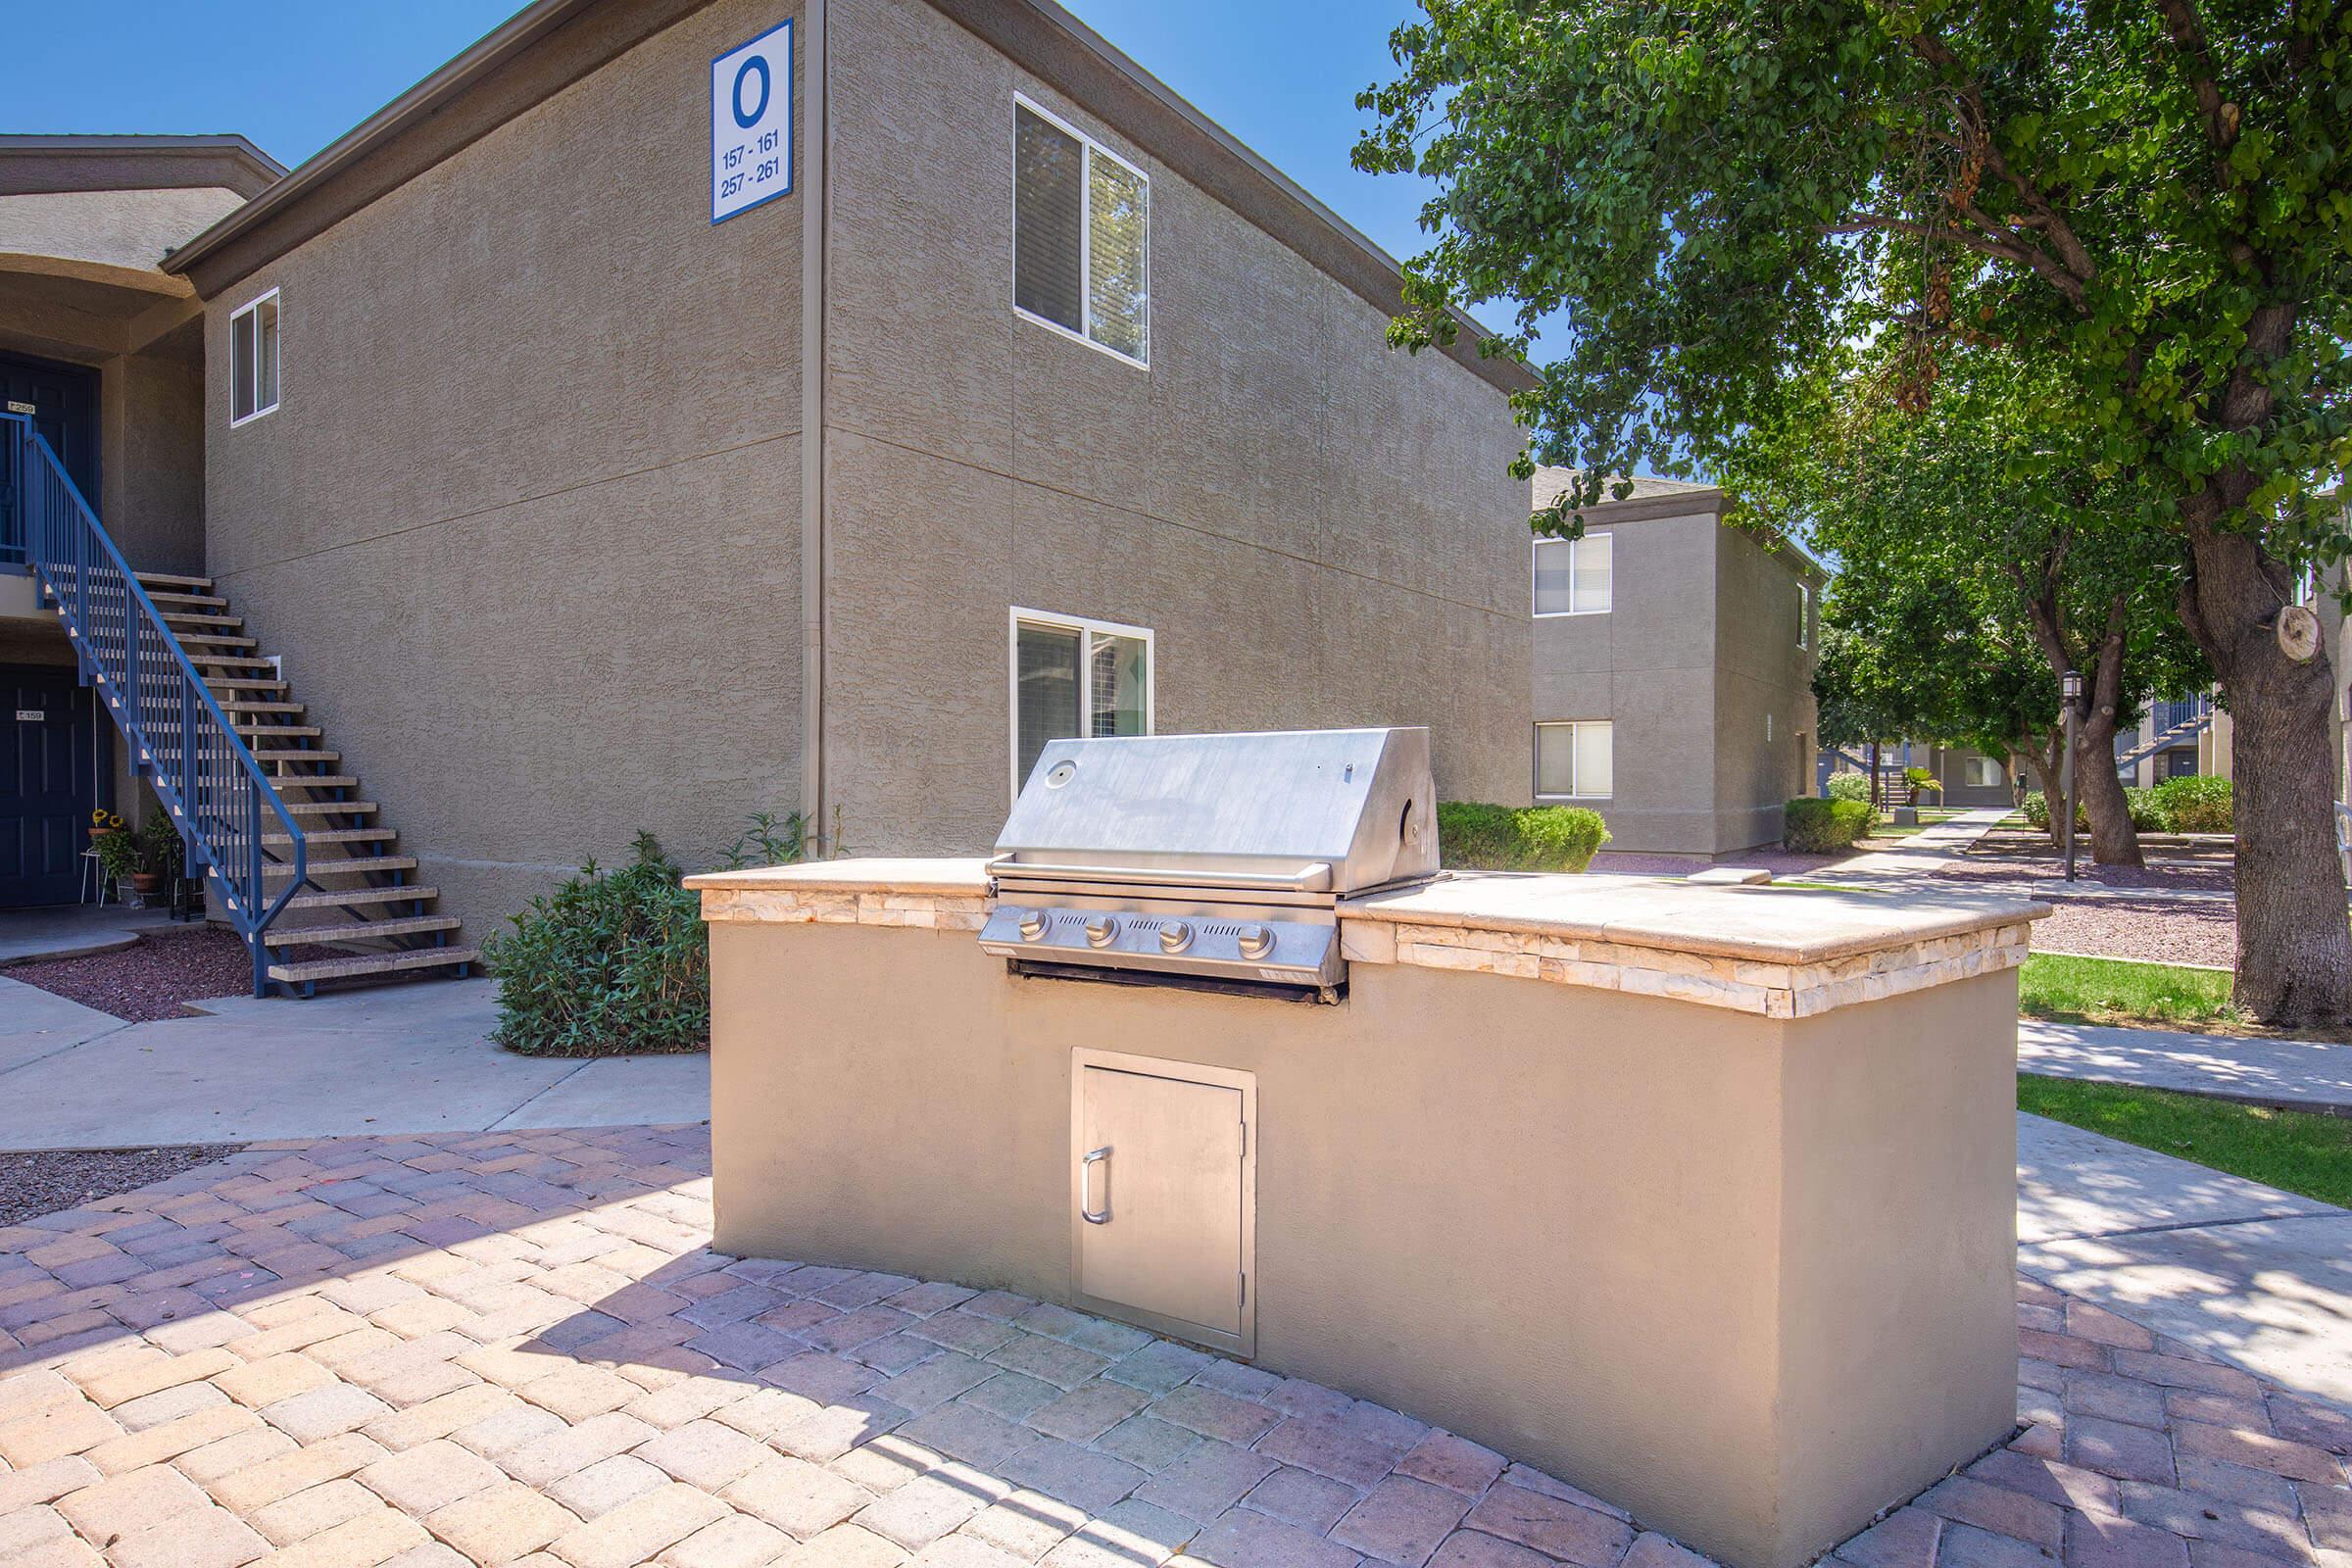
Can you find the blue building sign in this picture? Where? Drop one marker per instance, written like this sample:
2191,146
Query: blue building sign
751,124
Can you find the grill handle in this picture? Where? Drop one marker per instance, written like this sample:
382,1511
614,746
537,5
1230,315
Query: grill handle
1315,878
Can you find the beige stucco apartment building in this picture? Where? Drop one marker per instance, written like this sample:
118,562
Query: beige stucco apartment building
579,485
1673,672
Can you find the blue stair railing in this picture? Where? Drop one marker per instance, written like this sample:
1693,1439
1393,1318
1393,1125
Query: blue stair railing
181,742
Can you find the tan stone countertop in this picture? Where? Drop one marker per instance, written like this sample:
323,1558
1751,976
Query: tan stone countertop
1764,922
1781,952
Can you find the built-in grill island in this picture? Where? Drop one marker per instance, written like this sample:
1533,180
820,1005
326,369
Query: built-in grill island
1698,1197
1216,860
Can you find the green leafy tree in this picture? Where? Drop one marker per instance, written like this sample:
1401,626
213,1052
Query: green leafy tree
1983,534
2147,205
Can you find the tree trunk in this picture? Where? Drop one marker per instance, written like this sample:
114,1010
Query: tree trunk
2045,761
2114,841
2294,948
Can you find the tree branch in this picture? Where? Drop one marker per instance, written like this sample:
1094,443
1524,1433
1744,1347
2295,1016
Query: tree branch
2196,61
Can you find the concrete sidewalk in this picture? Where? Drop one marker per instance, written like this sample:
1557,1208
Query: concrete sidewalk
1918,854
410,1059
2296,1074
2244,1272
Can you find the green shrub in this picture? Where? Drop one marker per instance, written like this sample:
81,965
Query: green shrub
1816,826
2198,804
610,963
2038,812
2148,814
1472,837
1850,787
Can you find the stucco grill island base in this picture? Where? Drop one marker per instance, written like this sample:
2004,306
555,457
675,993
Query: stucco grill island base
1727,1171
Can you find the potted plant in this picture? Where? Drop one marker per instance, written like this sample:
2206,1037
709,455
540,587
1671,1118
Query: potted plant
161,855
118,854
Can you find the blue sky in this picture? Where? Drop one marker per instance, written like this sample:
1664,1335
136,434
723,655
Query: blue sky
294,75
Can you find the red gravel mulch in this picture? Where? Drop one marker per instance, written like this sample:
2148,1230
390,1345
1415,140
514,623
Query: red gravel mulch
2173,875
68,1178
2150,930
155,976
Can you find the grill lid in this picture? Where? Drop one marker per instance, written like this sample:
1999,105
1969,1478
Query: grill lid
1338,811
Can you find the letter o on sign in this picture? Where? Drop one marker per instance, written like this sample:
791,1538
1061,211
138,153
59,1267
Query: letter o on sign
747,117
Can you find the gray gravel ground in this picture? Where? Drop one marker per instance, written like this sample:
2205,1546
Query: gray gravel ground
44,1182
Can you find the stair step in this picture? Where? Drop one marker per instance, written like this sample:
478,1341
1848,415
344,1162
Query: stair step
357,965
244,683
194,640
209,661
283,732
172,579
295,756
315,781
203,601
349,866
325,898
241,704
331,808
278,936
338,835
177,618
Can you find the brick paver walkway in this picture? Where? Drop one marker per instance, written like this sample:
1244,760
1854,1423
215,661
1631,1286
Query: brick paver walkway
494,1349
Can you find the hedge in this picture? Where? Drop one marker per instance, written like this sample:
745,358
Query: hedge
2038,812
2197,804
1816,826
1475,837
1850,787
610,963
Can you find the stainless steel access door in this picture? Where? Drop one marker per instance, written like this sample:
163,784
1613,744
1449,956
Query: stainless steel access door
1163,1195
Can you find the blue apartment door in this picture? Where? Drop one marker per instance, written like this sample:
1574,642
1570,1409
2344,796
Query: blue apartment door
53,764
63,400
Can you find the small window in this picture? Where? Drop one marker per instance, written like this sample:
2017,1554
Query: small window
1073,678
253,360
1981,772
1574,576
1081,236
1575,762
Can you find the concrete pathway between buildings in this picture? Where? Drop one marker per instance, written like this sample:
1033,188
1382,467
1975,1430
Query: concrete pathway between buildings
2298,1074
413,1058
73,930
2243,1272
1919,854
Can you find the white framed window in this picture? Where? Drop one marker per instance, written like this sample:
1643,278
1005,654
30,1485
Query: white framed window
1575,577
1081,236
1981,772
1075,677
1575,762
253,360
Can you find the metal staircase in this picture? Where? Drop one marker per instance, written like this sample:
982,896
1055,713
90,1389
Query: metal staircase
211,724
2168,724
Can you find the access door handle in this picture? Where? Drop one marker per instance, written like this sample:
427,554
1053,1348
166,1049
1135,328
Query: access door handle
1085,1187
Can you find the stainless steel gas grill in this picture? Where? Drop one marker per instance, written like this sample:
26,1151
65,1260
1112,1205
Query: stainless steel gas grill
1210,860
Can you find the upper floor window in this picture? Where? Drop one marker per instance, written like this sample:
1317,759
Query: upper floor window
1081,236
1072,678
1574,576
253,360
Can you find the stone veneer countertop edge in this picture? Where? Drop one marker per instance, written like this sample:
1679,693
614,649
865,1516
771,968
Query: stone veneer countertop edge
1632,911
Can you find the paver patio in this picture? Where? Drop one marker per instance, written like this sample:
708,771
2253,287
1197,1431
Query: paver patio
518,1347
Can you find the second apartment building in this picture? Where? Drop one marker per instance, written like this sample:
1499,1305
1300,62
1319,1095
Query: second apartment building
1673,672
612,434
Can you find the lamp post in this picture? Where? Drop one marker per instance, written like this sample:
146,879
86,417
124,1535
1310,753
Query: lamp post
2071,686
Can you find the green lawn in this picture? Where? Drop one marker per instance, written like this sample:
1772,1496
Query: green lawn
2116,991
2285,1149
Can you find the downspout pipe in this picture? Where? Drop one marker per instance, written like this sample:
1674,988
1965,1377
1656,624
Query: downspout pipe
815,239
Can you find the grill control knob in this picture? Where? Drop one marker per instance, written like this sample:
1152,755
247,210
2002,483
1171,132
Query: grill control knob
1256,942
1033,925
1101,930
1175,937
